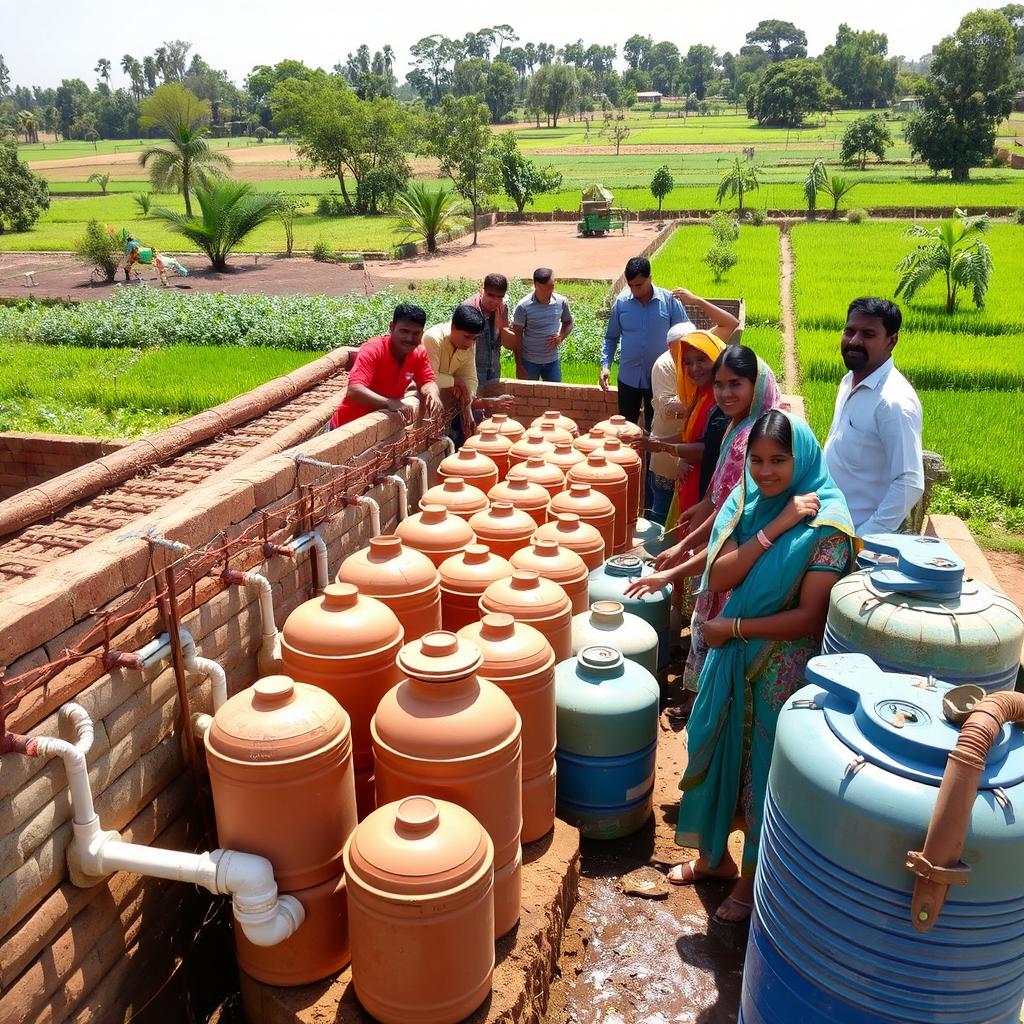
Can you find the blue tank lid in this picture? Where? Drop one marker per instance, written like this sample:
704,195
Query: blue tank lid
897,722
925,566
630,566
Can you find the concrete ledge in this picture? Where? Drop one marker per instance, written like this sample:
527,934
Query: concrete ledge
526,957
955,533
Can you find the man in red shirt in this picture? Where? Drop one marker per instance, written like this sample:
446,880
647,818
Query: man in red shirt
384,369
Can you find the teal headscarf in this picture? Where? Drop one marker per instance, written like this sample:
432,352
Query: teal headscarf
715,732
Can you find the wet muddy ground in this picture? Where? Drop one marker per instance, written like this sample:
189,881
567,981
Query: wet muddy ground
637,960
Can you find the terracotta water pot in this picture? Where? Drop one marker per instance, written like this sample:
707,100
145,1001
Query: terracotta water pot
401,577
435,532
494,445
591,505
458,497
532,443
519,659
561,566
505,425
590,441
559,420
565,456
503,528
517,490
575,535
615,450
539,471
421,910
346,644
447,733
464,577
618,426
611,481
473,466
553,432
528,597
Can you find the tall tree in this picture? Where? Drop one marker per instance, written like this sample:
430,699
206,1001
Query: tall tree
500,89
522,179
782,40
857,66
636,50
188,159
788,91
433,58
506,36
133,69
459,134
103,70
864,137
150,71
969,90
554,89
5,77
23,196
1014,14
699,67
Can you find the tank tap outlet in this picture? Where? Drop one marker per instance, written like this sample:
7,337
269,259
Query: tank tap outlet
420,463
268,660
313,540
403,495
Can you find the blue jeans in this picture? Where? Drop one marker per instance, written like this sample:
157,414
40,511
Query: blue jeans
660,498
550,372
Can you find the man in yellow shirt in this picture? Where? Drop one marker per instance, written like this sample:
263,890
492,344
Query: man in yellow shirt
450,349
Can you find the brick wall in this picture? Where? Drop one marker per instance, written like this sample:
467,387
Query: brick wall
85,955
587,404
30,459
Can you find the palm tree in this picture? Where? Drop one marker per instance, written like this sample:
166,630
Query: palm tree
183,118
816,175
738,179
28,126
426,213
133,69
954,250
103,180
835,186
149,72
103,70
230,210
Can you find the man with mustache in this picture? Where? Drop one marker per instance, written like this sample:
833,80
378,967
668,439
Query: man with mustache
873,449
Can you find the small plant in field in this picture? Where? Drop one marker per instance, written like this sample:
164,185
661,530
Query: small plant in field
143,200
953,249
724,229
100,248
427,213
720,258
1018,215
738,179
856,216
662,184
322,251
758,216
103,180
616,132
835,186
289,207
261,134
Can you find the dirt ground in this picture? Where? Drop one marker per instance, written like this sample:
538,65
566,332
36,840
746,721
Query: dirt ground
634,960
1009,570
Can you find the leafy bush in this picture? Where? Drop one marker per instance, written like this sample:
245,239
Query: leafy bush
1018,215
856,216
23,196
330,206
758,216
999,161
724,229
143,200
322,251
721,258
100,248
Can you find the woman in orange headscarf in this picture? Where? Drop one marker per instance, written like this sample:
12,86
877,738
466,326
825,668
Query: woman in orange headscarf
676,466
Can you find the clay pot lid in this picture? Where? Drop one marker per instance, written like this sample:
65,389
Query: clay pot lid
504,517
598,467
473,569
387,567
526,594
467,460
487,438
600,659
509,648
569,526
607,614
619,426
558,418
439,657
341,623
580,495
276,719
418,846
615,451
553,431
537,467
552,561
456,494
517,487
532,442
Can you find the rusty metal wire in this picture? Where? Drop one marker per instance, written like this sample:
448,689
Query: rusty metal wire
318,502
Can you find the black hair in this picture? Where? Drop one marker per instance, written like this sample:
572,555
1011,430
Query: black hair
468,318
739,359
411,314
881,309
775,426
543,275
496,283
637,266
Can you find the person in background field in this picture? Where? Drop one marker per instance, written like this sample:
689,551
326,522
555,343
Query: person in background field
451,349
384,369
641,317
873,448
541,322
497,334
777,548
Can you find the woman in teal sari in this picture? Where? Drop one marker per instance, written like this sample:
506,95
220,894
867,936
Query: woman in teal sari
779,544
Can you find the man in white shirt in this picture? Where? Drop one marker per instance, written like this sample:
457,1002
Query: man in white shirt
873,449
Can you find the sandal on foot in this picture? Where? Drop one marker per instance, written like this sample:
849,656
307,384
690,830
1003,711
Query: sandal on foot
686,873
738,910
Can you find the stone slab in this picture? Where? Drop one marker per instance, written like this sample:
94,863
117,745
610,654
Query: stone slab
526,957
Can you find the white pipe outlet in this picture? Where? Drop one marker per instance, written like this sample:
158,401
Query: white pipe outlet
403,496
420,462
264,916
374,513
268,659
449,445
319,546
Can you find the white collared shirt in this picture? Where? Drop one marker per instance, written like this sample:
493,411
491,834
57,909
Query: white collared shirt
873,449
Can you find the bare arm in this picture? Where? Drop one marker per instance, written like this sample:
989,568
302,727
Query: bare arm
724,323
365,396
431,396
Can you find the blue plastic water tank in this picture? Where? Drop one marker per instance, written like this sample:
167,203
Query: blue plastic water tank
859,755
910,609
607,724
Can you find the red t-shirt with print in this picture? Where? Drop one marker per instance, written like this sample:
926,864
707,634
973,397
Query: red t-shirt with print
376,369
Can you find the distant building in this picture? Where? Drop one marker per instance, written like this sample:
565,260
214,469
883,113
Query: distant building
909,104
1018,102
648,97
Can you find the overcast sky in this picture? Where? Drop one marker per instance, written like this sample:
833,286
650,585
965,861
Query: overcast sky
44,42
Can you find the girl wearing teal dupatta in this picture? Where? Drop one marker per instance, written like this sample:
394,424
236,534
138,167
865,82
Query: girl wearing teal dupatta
779,544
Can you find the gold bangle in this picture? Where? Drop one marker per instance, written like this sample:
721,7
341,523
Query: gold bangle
735,635
739,631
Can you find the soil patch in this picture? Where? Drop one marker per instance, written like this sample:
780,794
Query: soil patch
1009,570
664,147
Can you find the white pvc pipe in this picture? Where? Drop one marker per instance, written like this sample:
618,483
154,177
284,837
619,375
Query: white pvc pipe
421,462
450,445
403,496
315,541
265,917
374,514
268,660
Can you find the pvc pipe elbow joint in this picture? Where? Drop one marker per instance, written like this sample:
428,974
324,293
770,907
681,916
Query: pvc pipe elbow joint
403,496
266,917
374,514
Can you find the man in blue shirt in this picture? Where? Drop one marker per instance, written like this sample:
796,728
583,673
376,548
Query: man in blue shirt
541,322
640,318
